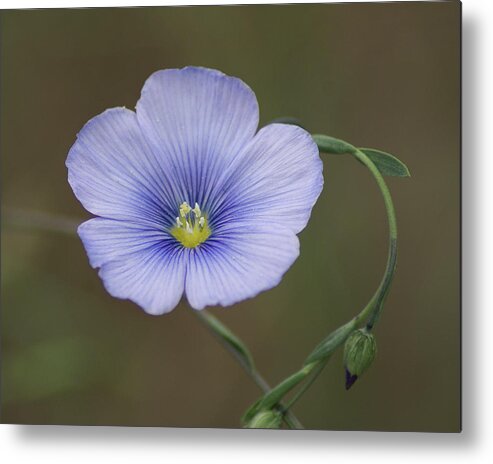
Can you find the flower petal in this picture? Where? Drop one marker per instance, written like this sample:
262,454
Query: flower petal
276,180
114,173
153,278
138,263
108,239
239,264
200,119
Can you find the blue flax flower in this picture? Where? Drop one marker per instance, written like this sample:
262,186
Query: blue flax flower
190,199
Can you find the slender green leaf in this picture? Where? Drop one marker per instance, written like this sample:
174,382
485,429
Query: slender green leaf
270,399
219,329
250,413
387,164
332,145
277,393
331,343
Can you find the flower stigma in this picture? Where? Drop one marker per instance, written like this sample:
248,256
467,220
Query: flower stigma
191,227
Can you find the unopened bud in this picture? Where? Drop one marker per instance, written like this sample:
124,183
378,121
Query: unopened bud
359,352
266,420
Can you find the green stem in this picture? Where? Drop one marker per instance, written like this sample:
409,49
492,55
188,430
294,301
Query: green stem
375,305
204,316
318,369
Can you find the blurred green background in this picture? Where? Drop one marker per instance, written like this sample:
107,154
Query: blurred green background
380,75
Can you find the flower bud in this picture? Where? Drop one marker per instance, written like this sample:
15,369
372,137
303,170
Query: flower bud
266,420
359,352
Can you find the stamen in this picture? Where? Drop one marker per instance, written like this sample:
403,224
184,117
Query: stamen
196,210
191,229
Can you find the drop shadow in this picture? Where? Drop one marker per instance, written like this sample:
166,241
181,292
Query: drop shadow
470,214
231,439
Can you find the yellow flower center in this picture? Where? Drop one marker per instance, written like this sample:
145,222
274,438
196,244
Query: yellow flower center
191,227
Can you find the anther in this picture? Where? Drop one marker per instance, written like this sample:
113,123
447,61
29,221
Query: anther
196,210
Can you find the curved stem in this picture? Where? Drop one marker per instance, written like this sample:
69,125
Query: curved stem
375,305
371,312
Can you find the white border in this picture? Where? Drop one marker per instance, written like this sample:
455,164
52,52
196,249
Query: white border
51,444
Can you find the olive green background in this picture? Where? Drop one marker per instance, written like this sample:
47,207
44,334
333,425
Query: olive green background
379,75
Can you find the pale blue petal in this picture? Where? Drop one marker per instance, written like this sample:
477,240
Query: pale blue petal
115,174
137,262
200,120
153,278
275,181
108,239
239,264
